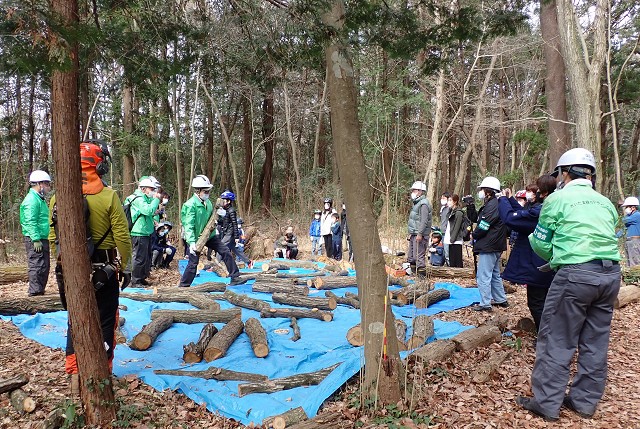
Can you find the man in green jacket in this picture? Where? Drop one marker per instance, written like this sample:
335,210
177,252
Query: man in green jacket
194,215
576,234
34,218
143,202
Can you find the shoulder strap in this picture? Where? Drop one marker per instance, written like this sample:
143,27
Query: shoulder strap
95,246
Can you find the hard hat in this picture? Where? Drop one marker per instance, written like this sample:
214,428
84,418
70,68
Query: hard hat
631,202
228,195
490,183
317,211
201,182
154,180
577,156
39,176
239,221
419,186
328,200
95,153
521,194
146,182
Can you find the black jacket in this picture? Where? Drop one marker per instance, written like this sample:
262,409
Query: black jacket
490,234
229,224
455,225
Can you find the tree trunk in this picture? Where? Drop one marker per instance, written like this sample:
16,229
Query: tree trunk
286,383
268,135
433,352
245,301
325,283
265,286
31,128
627,295
145,338
13,273
198,316
30,305
221,341
554,83
99,403
18,129
247,138
257,336
432,297
293,145
435,143
128,166
192,352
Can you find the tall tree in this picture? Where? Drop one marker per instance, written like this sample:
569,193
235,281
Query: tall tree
95,378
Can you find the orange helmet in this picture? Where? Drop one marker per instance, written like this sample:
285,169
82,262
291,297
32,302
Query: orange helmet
94,153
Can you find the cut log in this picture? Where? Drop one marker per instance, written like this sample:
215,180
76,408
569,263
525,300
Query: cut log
145,338
204,287
54,420
285,383
525,324
213,373
501,321
221,341
409,294
9,384
286,419
442,272
203,302
298,313
355,336
21,402
433,352
487,368
351,295
300,275
293,323
401,331
208,228
291,264
13,273
432,297
477,337
121,321
305,301
330,282
260,286
351,302
199,316
119,336
274,266
422,330
627,295
214,266
326,420
257,336
192,352
245,301
30,305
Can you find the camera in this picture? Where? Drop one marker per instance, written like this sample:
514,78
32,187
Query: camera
101,275
468,199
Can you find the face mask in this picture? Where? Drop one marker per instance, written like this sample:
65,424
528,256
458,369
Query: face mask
530,196
317,216
449,204
443,202
481,194
414,196
204,196
627,211
327,206
163,233
165,201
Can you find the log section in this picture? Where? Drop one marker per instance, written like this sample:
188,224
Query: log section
192,352
21,402
286,419
325,316
350,301
432,297
487,368
13,273
477,337
627,295
291,264
355,336
203,302
213,373
221,342
330,282
9,384
30,305
267,287
305,301
285,383
245,301
293,323
433,352
257,336
199,316
145,338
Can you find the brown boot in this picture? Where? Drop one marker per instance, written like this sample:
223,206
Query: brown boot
421,273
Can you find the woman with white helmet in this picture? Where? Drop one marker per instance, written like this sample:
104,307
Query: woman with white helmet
34,219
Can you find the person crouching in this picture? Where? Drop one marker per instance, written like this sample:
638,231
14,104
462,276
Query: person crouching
163,252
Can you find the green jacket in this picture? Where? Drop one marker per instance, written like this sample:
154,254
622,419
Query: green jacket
420,217
34,217
194,216
576,225
142,210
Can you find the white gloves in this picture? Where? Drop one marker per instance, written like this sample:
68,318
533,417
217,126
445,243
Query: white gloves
221,212
432,250
168,251
192,249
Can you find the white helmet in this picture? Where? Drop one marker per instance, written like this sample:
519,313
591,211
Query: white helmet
577,156
146,182
154,180
631,202
37,176
201,182
419,186
491,183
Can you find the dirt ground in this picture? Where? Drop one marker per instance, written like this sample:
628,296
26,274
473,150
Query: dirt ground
444,391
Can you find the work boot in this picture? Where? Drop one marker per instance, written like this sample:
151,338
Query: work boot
421,273
532,406
568,404
237,281
75,384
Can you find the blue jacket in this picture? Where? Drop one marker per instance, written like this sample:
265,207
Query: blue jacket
336,232
522,267
437,257
158,243
632,222
314,228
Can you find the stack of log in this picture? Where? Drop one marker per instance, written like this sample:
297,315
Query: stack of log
20,400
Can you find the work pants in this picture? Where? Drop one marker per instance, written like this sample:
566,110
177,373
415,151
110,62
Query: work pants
163,259
417,251
221,249
328,246
38,266
337,249
489,280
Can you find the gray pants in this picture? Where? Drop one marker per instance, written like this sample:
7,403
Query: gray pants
577,314
38,267
141,259
417,251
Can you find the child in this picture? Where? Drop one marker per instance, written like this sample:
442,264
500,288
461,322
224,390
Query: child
287,245
162,250
314,234
336,237
239,249
436,249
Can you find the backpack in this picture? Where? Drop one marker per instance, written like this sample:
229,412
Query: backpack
85,211
467,226
127,212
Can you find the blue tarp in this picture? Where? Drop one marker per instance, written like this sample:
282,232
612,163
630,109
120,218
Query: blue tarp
322,345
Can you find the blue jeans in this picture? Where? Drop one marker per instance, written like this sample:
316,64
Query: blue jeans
489,280
316,245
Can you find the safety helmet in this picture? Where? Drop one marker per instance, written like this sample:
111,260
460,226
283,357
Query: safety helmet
317,211
437,233
328,200
146,182
420,186
228,195
631,202
37,176
522,193
240,221
163,224
96,153
490,182
201,182
579,160
154,180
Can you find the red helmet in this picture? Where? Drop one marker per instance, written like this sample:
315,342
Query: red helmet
521,194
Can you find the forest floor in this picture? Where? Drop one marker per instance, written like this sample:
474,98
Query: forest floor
442,391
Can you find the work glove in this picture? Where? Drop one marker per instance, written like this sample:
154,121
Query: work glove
432,250
37,246
192,249
126,280
168,251
221,212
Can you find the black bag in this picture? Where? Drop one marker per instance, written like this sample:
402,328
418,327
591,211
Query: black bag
127,212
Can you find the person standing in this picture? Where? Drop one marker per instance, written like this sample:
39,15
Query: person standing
143,202
454,232
576,234
325,225
445,211
631,222
489,241
523,263
194,215
314,234
239,249
229,222
345,230
34,220
418,227
336,237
